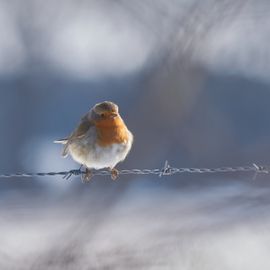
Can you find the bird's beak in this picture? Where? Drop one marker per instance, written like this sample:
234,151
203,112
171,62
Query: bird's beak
113,115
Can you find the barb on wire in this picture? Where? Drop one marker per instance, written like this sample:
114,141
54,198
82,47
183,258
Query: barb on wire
258,169
166,170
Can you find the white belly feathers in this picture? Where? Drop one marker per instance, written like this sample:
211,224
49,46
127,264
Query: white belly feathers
87,152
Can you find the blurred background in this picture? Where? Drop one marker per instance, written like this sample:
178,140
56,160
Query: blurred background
191,79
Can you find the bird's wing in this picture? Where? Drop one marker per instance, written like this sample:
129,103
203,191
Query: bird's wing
78,133
81,129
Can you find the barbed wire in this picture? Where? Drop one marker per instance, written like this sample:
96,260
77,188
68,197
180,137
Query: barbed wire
166,170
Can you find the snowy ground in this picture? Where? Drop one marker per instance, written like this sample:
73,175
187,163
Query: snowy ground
217,225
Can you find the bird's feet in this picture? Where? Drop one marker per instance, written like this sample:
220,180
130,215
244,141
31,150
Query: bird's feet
114,173
86,177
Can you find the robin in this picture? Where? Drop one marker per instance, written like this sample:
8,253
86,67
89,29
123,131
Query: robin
101,140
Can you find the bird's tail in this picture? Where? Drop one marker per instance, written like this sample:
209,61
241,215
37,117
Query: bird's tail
62,141
65,149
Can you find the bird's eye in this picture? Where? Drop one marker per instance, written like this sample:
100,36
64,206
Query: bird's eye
102,114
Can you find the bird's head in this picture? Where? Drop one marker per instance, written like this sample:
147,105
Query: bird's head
104,111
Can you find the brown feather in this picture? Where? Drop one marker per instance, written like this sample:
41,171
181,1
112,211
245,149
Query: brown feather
82,128
78,133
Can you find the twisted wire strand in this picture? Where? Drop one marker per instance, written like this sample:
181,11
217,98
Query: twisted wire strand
166,170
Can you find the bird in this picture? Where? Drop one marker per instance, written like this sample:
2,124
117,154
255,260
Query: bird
101,140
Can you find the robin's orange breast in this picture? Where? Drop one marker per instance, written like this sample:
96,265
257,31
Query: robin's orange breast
110,131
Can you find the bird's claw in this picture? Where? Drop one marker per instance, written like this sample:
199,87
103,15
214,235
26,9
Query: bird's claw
114,174
86,177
